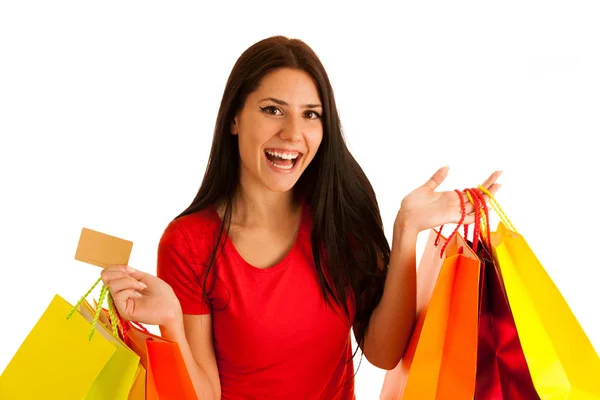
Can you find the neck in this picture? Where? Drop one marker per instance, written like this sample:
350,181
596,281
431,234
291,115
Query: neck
255,206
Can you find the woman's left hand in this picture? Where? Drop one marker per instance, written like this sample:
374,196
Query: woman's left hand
424,208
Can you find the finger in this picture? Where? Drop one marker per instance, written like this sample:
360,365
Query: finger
469,207
125,301
469,219
127,294
119,267
493,190
491,180
110,275
116,271
126,283
437,178
139,275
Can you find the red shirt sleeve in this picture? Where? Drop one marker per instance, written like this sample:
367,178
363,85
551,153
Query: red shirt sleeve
181,268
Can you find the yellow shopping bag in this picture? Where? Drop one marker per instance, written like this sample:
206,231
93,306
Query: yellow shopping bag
67,356
138,389
562,360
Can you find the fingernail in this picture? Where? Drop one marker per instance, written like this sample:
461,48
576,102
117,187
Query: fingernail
129,269
138,294
142,285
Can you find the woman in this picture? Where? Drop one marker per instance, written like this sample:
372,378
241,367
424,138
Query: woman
282,253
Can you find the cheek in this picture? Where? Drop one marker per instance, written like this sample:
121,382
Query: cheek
314,140
249,143
255,134
247,151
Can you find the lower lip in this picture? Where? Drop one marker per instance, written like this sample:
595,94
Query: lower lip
283,171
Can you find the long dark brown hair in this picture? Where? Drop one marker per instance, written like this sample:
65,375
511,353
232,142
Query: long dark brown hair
347,224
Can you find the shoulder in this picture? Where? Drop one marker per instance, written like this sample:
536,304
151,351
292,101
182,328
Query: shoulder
196,231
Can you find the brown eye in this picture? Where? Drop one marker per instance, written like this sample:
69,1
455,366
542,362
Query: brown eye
312,115
270,110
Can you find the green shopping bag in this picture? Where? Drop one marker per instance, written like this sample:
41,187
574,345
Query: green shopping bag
67,355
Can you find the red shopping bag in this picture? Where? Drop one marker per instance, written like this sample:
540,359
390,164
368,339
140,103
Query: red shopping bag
502,371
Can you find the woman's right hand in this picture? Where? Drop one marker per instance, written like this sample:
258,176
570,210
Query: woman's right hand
142,297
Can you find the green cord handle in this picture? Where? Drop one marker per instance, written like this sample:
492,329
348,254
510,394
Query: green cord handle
104,292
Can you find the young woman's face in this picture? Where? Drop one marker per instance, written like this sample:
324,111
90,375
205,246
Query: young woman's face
279,129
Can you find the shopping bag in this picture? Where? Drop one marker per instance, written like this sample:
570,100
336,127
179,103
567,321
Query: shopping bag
167,376
66,356
502,372
440,360
138,388
561,359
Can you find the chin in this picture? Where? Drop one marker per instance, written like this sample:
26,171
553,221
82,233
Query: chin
280,187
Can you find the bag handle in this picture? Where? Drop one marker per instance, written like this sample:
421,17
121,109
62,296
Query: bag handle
104,292
460,222
499,211
482,223
476,200
482,226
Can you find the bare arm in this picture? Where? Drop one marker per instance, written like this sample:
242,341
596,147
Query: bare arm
193,334
393,319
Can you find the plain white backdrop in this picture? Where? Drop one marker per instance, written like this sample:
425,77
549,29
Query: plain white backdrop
107,112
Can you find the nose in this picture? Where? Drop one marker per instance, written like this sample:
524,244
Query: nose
292,129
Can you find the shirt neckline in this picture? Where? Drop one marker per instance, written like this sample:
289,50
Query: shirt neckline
230,246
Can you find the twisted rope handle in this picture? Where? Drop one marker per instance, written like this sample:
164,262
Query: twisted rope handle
460,222
83,298
503,217
104,292
114,321
477,229
482,223
476,198
485,224
472,202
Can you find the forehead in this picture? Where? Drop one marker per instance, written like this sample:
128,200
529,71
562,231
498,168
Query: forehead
288,84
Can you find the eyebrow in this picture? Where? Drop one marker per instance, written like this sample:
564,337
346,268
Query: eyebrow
283,103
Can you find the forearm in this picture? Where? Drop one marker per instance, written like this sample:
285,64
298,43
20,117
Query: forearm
392,321
200,379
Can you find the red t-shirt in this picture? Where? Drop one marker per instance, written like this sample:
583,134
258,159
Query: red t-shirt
274,335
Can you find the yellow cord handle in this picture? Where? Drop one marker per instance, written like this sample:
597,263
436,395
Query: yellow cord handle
499,211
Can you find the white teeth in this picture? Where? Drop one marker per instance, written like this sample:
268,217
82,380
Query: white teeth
283,156
281,166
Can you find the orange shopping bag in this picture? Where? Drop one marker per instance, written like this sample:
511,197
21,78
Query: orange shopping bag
440,361
167,377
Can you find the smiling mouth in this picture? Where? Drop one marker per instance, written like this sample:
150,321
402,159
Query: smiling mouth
283,160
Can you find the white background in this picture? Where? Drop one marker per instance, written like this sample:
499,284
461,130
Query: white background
107,111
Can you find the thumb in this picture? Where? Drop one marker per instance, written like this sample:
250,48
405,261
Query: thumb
437,178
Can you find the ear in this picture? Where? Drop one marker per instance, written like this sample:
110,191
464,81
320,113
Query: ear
234,126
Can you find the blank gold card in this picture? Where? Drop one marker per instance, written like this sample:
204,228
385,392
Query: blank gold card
102,250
